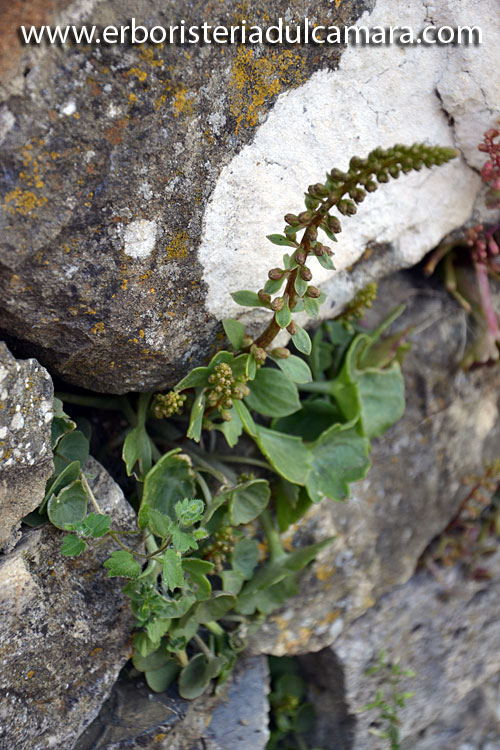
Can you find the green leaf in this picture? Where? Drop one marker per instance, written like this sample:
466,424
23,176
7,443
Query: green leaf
159,679
232,581
339,456
295,369
246,418
195,677
321,358
300,285
61,423
219,357
381,398
195,379
172,570
292,503
326,262
56,483
301,341
189,511
235,331
311,305
299,558
197,571
283,316
316,416
171,478
239,365
376,395
273,394
232,429
267,575
137,448
35,518
267,600
251,368
248,500
196,419
122,563
245,556
182,541
69,507
96,525
159,523
157,627
72,546
247,298
274,285
155,660
144,644
279,239
72,447
286,453
214,608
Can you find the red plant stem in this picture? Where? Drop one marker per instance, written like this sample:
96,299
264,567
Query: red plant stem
486,302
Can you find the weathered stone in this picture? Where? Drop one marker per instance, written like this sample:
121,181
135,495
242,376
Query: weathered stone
413,489
25,453
65,632
446,631
135,717
471,724
138,182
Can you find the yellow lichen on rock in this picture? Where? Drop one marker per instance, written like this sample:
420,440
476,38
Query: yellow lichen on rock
254,80
178,247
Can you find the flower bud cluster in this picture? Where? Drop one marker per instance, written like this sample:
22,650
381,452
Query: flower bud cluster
363,300
221,547
165,405
490,172
224,388
483,244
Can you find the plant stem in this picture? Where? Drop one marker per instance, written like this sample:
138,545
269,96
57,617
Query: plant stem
215,628
182,658
203,646
204,488
86,487
276,551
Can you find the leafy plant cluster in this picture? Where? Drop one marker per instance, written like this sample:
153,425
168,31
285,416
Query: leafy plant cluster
388,700
472,535
478,248
206,564
292,716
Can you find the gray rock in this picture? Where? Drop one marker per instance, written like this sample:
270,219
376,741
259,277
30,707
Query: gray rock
135,717
471,724
25,453
447,632
65,632
414,487
139,182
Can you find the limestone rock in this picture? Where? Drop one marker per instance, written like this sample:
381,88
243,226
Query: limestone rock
472,723
65,632
413,489
447,632
25,453
135,717
139,182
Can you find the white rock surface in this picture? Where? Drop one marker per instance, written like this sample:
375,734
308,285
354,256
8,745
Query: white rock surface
381,95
